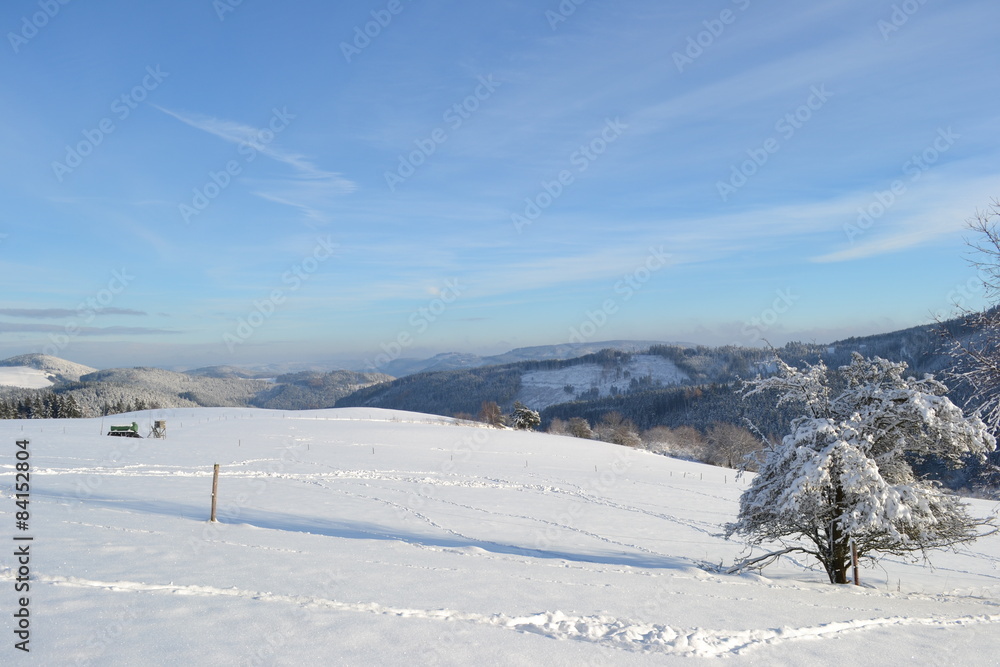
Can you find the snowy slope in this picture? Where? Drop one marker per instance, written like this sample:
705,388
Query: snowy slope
23,376
367,537
449,361
540,389
55,368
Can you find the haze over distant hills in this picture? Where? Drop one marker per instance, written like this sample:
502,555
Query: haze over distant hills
450,361
122,389
649,382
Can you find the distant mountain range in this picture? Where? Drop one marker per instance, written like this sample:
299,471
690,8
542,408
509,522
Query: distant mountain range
649,382
640,383
451,361
124,389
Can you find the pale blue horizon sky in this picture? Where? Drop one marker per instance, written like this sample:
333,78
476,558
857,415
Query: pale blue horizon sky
263,182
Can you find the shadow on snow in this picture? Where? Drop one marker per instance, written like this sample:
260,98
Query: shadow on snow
357,530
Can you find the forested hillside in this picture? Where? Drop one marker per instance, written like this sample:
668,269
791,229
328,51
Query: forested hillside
704,388
443,392
310,390
125,389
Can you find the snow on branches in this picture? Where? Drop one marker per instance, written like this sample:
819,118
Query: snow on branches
844,471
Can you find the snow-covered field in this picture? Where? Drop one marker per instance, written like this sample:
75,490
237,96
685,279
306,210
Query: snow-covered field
22,376
369,537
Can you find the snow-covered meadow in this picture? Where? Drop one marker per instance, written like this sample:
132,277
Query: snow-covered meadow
23,376
370,537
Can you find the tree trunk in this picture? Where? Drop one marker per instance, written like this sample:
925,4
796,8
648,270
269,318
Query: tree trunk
840,543
837,560
840,568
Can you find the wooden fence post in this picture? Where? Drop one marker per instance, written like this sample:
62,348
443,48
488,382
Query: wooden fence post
854,562
215,489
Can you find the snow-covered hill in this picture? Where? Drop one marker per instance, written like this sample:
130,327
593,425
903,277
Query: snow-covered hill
367,537
540,389
24,377
54,368
218,386
449,361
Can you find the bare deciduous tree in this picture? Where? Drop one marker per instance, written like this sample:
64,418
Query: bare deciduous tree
729,445
975,347
490,413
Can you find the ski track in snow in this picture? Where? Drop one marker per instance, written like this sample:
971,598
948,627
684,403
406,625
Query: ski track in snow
606,631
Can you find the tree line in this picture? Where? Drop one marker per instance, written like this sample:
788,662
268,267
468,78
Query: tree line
48,405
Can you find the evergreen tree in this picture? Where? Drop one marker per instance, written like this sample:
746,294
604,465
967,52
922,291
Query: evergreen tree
524,418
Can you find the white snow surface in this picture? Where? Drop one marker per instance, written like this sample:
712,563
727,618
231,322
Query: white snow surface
23,376
540,389
53,366
372,537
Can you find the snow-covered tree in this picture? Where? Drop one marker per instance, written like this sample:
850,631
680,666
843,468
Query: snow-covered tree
845,473
524,418
975,347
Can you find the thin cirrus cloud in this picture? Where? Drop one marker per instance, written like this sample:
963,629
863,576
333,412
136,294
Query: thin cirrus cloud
309,188
56,313
915,217
10,327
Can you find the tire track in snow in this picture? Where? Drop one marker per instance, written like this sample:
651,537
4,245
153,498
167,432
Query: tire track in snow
606,631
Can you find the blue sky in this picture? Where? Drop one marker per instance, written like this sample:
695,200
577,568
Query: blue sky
198,182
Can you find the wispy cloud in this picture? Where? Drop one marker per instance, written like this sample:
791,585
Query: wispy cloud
309,189
10,327
918,216
56,313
